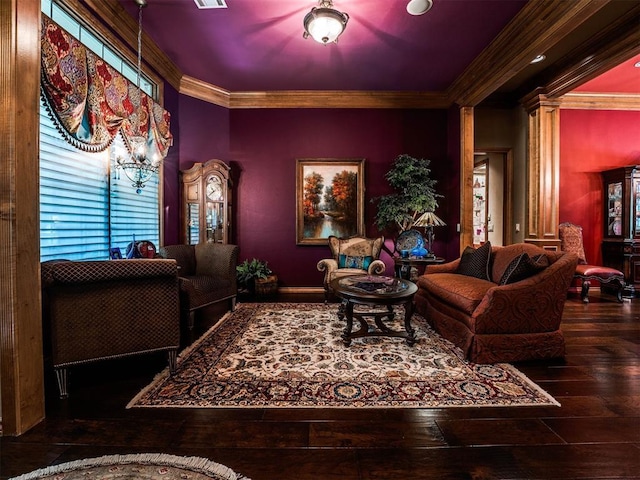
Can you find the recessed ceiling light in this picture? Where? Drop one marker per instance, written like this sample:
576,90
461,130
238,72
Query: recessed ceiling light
538,58
637,65
419,7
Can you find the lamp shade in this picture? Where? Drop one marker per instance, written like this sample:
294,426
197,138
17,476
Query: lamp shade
429,219
324,24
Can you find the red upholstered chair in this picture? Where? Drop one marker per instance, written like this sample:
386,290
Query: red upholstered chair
571,241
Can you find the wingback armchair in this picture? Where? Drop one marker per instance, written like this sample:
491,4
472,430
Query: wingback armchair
207,275
351,256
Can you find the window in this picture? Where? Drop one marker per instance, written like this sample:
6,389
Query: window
88,206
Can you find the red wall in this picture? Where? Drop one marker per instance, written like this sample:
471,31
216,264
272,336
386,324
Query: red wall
265,145
590,142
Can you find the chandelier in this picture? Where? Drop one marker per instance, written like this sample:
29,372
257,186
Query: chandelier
324,23
138,166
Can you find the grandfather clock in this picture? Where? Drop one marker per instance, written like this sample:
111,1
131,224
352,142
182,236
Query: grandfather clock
206,198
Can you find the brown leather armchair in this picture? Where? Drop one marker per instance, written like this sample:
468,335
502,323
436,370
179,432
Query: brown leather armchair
207,274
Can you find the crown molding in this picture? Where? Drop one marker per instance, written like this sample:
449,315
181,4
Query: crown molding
310,98
119,21
600,101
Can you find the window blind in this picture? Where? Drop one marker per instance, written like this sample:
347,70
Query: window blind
85,206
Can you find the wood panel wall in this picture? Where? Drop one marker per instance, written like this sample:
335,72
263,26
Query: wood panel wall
21,370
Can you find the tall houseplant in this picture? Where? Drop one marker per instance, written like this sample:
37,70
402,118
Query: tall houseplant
414,194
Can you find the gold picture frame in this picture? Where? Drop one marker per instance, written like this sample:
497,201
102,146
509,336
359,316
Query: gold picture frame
320,212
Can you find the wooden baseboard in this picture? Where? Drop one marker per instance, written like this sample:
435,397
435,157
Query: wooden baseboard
300,290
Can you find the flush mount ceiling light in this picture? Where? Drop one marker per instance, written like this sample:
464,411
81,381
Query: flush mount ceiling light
324,23
419,7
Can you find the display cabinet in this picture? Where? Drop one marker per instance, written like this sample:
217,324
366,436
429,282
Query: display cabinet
206,198
621,236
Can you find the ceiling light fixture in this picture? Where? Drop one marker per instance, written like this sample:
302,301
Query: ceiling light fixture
419,7
538,58
138,167
324,23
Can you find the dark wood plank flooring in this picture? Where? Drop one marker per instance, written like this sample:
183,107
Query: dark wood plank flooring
595,434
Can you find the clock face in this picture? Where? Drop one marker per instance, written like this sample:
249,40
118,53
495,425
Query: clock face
214,189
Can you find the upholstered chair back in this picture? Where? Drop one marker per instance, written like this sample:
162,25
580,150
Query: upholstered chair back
355,247
571,240
184,255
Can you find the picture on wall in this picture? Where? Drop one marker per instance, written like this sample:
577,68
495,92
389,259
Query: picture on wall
330,199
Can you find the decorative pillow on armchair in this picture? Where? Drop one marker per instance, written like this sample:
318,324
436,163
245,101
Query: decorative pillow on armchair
348,261
474,262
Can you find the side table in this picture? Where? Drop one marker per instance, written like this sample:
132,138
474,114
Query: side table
403,265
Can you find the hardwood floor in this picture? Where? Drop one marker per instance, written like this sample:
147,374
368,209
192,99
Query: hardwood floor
595,434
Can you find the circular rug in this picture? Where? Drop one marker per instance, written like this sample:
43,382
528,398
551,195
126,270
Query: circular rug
139,466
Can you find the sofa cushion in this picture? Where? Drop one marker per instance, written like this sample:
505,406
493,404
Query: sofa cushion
523,266
462,291
501,257
354,261
475,262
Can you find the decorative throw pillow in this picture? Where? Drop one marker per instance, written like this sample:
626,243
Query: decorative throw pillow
349,261
541,260
475,262
521,267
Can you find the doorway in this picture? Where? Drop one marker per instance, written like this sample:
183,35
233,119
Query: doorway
492,202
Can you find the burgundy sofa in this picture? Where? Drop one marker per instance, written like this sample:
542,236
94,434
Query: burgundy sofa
499,323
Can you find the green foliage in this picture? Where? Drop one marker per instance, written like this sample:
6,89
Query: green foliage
249,270
414,193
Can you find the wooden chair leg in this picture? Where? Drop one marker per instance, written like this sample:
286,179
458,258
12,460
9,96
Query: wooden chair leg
584,294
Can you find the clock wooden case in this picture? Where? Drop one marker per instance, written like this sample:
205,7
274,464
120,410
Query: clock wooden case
206,199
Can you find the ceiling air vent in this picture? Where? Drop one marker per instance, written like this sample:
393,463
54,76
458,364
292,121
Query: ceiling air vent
211,3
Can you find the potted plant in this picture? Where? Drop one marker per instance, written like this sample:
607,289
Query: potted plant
256,277
414,194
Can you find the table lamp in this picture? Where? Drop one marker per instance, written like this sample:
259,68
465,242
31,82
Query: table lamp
428,220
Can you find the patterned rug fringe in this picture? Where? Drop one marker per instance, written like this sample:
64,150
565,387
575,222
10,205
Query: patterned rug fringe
196,464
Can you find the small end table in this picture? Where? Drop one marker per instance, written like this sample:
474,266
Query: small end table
403,265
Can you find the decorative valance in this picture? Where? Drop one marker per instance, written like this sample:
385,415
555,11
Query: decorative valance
90,102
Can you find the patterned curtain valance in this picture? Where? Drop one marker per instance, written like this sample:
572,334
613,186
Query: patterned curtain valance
90,102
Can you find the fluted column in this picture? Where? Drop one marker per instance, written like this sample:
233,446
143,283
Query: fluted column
542,207
21,365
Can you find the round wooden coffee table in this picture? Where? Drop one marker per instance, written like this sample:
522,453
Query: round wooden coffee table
374,291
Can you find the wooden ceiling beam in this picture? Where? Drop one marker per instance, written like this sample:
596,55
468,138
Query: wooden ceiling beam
536,28
612,45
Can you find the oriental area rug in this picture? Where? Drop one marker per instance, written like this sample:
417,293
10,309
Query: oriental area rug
150,466
290,355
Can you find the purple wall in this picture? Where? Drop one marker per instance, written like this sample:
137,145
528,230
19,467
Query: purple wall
200,132
171,234
264,147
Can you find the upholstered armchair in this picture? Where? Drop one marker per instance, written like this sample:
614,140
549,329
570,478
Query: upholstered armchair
207,275
351,256
98,310
571,241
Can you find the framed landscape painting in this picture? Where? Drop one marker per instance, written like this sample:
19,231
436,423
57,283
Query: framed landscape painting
330,199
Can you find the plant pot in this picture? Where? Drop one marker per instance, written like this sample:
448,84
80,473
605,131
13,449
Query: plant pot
266,286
